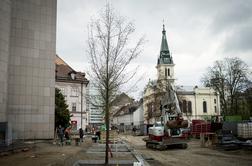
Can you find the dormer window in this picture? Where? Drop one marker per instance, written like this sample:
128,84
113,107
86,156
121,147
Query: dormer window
72,76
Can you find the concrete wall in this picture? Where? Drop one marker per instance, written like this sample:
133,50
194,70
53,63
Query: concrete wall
5,18
31,80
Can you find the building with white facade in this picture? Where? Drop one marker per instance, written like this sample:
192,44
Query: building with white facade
123,119
27,70
73,85
128,116
198,102
138,118
195,102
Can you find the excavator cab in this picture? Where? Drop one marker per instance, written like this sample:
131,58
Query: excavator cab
175,132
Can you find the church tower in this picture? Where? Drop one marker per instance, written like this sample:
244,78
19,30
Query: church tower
165,65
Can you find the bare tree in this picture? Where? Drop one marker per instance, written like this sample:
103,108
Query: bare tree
110,54
228,77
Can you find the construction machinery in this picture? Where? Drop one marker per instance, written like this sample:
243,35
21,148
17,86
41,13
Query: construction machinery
171,130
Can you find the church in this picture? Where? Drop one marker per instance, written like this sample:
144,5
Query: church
194,102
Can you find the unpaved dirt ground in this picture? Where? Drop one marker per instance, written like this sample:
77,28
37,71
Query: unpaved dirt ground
45,154
48,154
194,155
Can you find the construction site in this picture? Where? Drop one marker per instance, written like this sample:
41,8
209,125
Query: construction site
125,150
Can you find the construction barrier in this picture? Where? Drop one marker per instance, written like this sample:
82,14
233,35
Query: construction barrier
244,130
113,136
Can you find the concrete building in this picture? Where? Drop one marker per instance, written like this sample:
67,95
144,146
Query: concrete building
128,116
195,102
123,118
126,113
95,111
119,102
73,86
27,51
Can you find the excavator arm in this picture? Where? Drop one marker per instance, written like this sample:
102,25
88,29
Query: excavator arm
170,109
170,103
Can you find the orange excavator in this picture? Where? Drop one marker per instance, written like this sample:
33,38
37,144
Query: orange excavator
170,130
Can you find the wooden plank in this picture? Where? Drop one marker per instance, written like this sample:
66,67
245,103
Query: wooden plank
113,136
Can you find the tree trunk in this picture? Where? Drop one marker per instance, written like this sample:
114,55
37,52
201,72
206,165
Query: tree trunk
107,96
107,135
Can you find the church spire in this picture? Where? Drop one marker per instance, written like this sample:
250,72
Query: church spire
164,57
164,45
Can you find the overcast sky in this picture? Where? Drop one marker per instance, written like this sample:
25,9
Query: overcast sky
198,33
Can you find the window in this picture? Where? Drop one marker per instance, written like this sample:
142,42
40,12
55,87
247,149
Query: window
184,106
165,72
189,107
215,109
73,107
214,101
72,76
168,72
204,106
62,90
74,91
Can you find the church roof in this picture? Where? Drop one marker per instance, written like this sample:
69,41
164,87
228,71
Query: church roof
185,88
165,56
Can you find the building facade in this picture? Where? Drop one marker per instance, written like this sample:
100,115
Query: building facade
128,116
198,102
123,119
195,102
138,118
73,85
95,111
27,50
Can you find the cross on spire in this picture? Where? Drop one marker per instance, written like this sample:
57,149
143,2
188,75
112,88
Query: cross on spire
163,27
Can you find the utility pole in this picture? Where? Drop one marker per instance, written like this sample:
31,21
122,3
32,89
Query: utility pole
81,101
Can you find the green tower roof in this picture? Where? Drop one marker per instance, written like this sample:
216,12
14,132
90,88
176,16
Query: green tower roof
164,57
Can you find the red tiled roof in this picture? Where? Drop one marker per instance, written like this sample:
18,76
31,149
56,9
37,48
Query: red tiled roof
63,71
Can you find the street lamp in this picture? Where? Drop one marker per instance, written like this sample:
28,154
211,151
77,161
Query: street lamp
81,101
